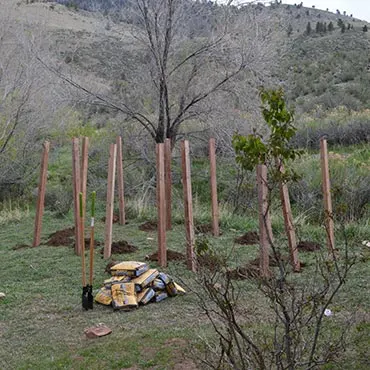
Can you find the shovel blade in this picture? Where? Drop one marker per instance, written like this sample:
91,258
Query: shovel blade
90,298
85,300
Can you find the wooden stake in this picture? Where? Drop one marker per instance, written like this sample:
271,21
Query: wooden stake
76,191
329,222
84,166
41,194
168,182
214,201
121,186
263,220
161,206
188,206
110,200
288,222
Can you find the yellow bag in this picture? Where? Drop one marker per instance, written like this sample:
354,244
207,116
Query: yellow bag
116,279
104,296
129,268
179,289
124,296
145,296
145,279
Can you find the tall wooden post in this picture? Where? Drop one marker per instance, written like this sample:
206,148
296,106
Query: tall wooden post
329,222
41,194
110,201
83,185
188,206
168,182
264,219
76,191
161,205
288,221
121,186
214,200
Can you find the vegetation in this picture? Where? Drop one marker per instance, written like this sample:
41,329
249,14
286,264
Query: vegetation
97,70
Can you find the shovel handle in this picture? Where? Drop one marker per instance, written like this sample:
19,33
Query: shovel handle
82,241
92,242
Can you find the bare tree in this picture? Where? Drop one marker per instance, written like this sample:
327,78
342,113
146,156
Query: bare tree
187,59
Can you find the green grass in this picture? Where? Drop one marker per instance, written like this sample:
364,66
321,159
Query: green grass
42,323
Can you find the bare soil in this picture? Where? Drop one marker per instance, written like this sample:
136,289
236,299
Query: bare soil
171,256
61,238
203,229
149,226
308,246
21,246
115,218
249,238
244,272
121,247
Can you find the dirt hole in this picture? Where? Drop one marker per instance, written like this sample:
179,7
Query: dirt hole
148,226
61,237
171,256
121,247
249,238
307,246
21,246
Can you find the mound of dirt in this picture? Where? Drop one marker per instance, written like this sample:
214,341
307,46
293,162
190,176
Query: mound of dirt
244,272
97,243
171,256
203,229
61,237
115,218
307,246
21,246
149,226
121,247
272,260
249,238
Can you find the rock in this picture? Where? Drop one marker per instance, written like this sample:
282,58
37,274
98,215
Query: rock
2,296
97,331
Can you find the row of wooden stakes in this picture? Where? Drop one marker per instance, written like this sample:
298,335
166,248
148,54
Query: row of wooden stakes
164,184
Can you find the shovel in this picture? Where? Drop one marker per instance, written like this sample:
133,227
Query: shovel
90,298
85,288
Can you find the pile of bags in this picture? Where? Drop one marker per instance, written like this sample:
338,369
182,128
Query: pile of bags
133,283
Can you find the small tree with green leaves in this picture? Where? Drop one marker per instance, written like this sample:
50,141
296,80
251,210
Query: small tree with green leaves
253,149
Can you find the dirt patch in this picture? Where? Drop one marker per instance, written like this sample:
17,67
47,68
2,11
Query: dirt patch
273,262
249,238
61,237
149,226
21,246
171,256
180,354
115,218
307,246
244,272
97,243
203,229
121,247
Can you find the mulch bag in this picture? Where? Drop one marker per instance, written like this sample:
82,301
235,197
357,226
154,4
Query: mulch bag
104,296
133,283
124,296
129,268
145,296
145,279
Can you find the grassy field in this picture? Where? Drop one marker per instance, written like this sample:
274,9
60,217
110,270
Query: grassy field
42,323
